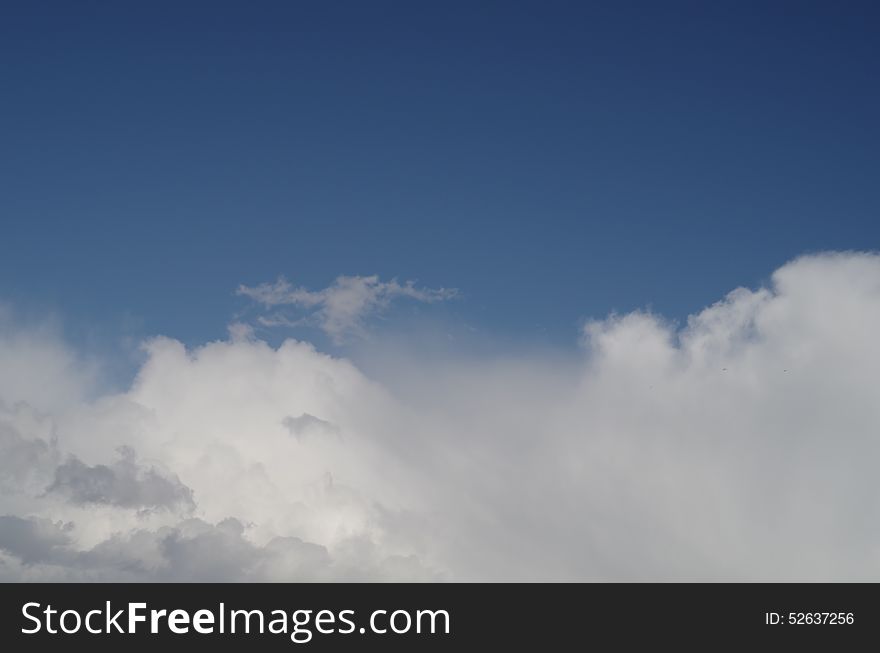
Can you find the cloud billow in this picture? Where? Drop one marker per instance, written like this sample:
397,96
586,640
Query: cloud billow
739,446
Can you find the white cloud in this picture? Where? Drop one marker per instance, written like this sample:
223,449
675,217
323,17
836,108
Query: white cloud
741,446
340,309
36,367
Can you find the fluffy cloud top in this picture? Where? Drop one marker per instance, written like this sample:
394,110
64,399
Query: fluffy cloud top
739,446
340,309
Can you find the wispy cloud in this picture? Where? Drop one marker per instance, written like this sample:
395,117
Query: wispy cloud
341,309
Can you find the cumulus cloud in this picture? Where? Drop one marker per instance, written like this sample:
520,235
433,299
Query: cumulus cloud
740,445
340,309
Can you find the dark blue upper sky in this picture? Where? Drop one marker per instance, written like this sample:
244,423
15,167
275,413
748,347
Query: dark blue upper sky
551,160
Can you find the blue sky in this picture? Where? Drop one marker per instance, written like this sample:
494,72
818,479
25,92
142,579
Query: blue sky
553,161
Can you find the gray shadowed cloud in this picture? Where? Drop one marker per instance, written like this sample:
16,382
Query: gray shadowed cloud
191,551
306,425
34,540
125,483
